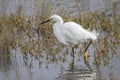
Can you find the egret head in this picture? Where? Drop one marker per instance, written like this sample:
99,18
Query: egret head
54,18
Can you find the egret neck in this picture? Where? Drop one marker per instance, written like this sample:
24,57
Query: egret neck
57,25
57,31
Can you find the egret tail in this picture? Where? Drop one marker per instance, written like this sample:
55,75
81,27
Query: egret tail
94,34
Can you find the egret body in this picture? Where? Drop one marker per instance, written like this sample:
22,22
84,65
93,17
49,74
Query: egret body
71,33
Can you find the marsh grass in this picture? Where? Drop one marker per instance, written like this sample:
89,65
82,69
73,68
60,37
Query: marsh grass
16,31
25,32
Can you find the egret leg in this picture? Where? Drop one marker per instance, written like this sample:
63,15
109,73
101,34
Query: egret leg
73,58
87,46
86,60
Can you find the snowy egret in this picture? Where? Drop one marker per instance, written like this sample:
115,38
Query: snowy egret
71,33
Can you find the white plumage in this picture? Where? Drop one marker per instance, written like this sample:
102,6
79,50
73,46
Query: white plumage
71,32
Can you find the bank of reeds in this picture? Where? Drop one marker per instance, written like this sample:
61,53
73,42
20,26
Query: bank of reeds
25,32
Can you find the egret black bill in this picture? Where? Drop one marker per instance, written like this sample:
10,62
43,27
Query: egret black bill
45,21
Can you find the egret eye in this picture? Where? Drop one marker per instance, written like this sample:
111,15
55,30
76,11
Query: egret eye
53,21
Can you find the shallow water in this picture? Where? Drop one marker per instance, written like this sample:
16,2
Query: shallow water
31,69
72,6
21,67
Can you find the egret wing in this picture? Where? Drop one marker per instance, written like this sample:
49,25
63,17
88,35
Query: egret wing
77,33
72,32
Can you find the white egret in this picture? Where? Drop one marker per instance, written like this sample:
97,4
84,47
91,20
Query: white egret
71,33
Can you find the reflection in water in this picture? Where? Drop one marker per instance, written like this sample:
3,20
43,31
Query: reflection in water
18,68
26,66
37,55
27,70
